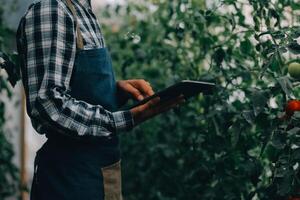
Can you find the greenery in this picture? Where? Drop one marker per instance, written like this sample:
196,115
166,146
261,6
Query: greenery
234,144
8,171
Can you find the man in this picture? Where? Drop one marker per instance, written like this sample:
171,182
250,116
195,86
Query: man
73,98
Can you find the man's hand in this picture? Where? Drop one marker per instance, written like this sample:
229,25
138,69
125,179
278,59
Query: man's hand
137,89
153,108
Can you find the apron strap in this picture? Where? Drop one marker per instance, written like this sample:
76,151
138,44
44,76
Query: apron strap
79,39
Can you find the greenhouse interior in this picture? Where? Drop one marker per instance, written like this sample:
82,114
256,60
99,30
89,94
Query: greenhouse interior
197,100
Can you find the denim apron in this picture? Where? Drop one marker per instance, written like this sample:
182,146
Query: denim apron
83,168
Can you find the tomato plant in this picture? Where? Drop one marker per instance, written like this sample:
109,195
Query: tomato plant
231,145
234,144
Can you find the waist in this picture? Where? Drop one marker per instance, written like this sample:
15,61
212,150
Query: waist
99,152
91,141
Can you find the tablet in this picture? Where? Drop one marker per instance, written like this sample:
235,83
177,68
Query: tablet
186,87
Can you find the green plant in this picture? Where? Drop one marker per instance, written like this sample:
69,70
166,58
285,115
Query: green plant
234,144
8,171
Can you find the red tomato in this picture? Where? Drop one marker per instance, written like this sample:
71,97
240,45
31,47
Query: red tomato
291,107
294,198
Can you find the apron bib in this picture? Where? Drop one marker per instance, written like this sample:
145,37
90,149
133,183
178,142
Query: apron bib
82,168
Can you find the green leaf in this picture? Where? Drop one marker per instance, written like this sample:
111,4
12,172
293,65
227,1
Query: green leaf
249,116
256,23
284,186
278,141
296,155
295,33
274,64
273,13
294,48
235,131
286,85
293,131
246,47
278,35
219,56
259,100
283,50
295,5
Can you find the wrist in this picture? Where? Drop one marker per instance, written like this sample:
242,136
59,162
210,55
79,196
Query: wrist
123,121
136,116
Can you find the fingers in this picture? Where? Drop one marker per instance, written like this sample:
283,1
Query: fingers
151,104
154,107
157,107
133,91
143,86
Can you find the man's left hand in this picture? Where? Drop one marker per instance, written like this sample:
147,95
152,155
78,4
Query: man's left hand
136,88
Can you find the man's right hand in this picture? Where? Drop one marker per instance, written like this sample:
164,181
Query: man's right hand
154,107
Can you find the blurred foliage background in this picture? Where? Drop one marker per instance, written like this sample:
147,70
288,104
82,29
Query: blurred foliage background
9,177
232,145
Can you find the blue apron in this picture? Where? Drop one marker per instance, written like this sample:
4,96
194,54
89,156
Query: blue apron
82,168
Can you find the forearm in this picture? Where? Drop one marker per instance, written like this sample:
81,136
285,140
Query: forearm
80,117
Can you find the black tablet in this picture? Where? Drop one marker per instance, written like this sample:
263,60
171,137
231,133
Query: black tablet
186,87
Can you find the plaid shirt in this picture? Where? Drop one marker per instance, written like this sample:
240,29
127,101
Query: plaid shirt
46,40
